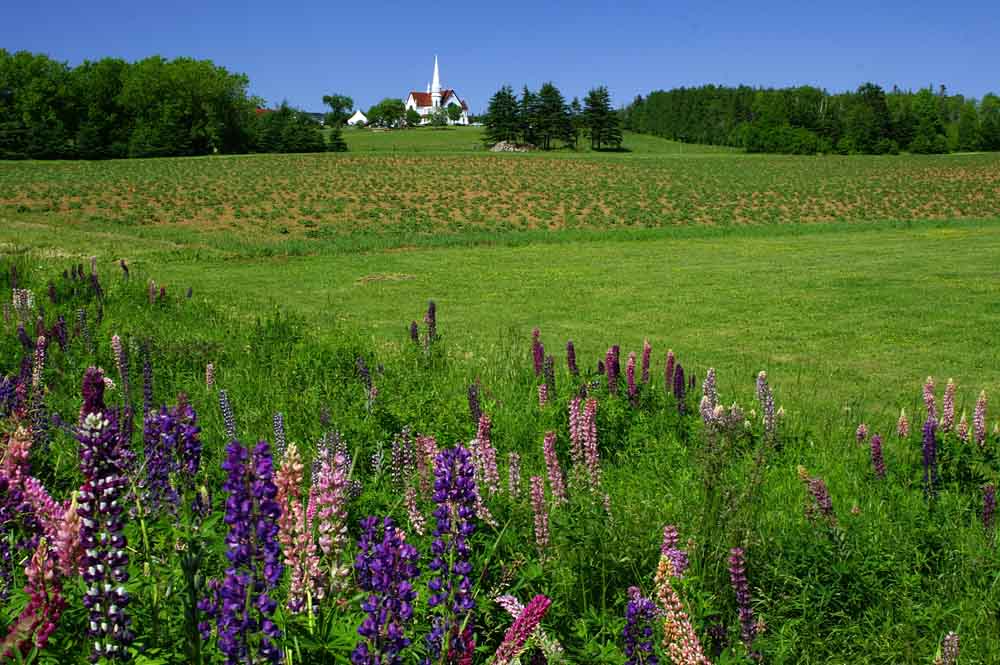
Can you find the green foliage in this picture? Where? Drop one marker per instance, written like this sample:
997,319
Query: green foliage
602,124
340,109
454,113
412,117
289,130
389,112
502,117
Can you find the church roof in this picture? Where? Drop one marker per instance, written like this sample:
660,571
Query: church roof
424,98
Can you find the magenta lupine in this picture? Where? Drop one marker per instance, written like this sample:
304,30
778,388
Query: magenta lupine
486,455
556,483
590,446
669,549
571,359
679,388
902,425
741,587
550,647
821,505
948,406
668,372
543,395
979,420
630,376
537,350
647,352
929,398
989,505
514,474
328,498
610,366
878,463
930,456
549,373
40,616
524,626
541,513
962,431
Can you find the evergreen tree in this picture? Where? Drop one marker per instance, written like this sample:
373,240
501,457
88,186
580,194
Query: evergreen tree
529,116
969,137
554,120
502,120
576,119
600,120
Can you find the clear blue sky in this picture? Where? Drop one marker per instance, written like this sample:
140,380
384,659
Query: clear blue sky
369,50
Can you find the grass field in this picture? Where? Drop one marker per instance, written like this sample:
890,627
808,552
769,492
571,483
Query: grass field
848,279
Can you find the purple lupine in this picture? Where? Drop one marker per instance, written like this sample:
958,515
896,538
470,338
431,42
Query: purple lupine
514,474
611,369
989,505
679,387
246,630
475,410
630,376
450,587
571,359
102,534
541,513
647,352
930,456
280,442
761,385
25,338
549,372
556,483
878,462
741,587
669,549
929,398
979,420
228,419
414,333
537,351
173,455
948,406
430,319
600,367
384,566
640,614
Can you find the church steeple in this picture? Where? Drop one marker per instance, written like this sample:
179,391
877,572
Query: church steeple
436,86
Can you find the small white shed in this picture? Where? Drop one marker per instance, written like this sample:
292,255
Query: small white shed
358,118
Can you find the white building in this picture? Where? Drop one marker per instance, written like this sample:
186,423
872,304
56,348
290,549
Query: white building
426,103
358,118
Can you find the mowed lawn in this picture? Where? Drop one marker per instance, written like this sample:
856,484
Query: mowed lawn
848,319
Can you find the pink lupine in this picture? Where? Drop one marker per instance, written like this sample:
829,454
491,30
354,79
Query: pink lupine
679,638
67,545
47,511
543,395
329,494
523,627
979,420
862,433
962,431
577,452
427,451
541,514
416,517
489,475
902,425
647,352
14,460
929,398
514,474
668,372
209,375
38,620
948,406
590,447
556,483
295,532
630,375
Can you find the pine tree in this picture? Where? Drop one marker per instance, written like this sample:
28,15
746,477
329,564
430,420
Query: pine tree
502,119
600,120
529,116
554,120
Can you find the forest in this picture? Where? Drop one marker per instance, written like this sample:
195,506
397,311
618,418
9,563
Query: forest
808,120
154,107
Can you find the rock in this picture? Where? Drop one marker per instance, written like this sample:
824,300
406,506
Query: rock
507,146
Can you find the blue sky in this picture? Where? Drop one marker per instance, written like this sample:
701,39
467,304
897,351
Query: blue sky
302,50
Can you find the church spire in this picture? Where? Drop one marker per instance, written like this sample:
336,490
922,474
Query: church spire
436,86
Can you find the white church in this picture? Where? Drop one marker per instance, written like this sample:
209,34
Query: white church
426,103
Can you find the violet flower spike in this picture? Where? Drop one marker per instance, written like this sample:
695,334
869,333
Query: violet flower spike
571,359
640,614
541,514
647,352
989,505
741,588
556,482
878,463
523,627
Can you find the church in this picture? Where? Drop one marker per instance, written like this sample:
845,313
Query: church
426,103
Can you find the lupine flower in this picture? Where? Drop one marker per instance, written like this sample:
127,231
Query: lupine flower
576,438
761,384
679,638
328,498
979,420
244,618
571,359
640,613
209,375
39,364
679,387
279,433
600,368
295,531
647,352
24,338
414,332
451,585
949,650
543,395
738,578
877,461
710,396
591,449
963,429
121,361
40,616
541,514
173,454
67,545
227,414
902,425
550,647
668,548
475,410
630,376
105,564
668,371
514,474
948,406
556,483
537,351
430,319
862,433
48,513
413,513
989,505
822,504
612,371
929,398
488,475
385,565
930,456
524,626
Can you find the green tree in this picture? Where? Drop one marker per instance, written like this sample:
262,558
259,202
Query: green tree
554,120
601,122
439,118
412,117
528,116
454,113
969,133
389,112
929,136
502,122
989,122
340,109
576,119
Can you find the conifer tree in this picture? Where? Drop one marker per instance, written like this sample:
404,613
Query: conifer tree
600,120
502,119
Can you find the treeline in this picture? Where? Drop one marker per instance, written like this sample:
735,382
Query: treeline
543,118
151,108
806,120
